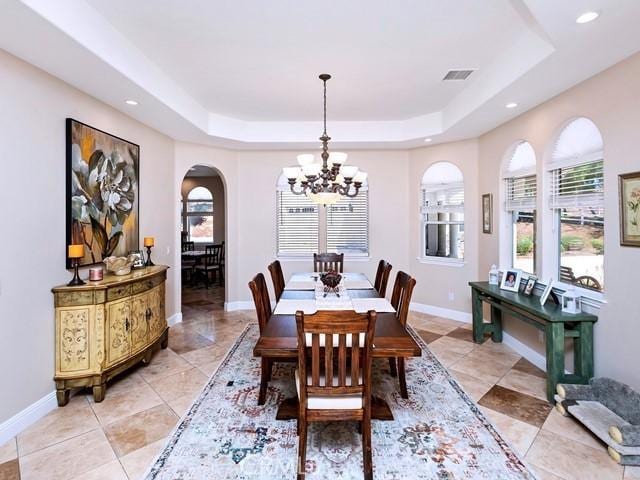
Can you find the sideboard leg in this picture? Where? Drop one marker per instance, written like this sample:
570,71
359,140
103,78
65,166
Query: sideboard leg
62,395
165,341
99,392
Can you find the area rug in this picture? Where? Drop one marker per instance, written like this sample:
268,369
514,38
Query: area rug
438,433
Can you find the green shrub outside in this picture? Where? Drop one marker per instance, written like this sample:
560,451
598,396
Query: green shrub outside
598,245
524,245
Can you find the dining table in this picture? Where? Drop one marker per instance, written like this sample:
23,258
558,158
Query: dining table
303,291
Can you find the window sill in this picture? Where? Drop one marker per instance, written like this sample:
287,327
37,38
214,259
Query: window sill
309,258
448,262
589,297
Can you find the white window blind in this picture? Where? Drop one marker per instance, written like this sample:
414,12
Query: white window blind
348,225
578,186
297,224
442,199
521,193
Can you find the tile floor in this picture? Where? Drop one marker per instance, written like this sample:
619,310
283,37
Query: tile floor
118,438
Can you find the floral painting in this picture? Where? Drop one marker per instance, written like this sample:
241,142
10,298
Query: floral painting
630,209
102,192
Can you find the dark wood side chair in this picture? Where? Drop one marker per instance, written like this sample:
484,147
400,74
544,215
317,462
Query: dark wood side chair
211,264
382,277
262,302
335,393
275,269
400,299
188,246
188,264
323,262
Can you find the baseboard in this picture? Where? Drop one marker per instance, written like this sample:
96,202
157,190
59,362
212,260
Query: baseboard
240,305
174,319
520,348
21,420
441,312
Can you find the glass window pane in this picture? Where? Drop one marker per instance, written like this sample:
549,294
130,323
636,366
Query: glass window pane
445,239
201,228
582,247
524,238
200,193
199,207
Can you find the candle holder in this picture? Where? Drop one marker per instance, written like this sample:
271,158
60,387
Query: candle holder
149,263
76,280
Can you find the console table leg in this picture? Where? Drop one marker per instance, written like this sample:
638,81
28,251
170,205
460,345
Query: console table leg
99,392
554,333
496,321
476,306
62,395
583,351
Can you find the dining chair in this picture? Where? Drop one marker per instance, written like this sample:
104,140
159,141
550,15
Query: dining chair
340,392
382,277
275,269
323,262
400,299
188,246
211,264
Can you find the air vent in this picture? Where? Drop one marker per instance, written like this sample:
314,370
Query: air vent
457,74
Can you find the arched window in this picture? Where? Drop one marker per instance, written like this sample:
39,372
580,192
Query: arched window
304,228
576,196
198,215
442,212
521,191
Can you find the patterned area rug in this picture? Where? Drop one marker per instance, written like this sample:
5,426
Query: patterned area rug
438,433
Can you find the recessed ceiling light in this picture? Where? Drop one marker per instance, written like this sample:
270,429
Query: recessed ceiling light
511,105
587,17
428,140
131,102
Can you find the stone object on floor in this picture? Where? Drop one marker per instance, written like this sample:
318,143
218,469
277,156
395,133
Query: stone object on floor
611,410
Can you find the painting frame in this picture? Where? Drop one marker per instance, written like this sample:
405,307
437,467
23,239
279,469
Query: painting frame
487,213
111,222
629,197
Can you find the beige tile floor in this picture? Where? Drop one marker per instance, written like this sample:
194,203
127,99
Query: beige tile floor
119,437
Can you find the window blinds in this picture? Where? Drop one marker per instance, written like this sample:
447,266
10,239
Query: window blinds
348,225
578,186
443,199
297,224
521,193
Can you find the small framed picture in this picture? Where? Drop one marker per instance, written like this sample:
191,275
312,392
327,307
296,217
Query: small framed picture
530,285
630,209
547,292
139,261
511,280
487,213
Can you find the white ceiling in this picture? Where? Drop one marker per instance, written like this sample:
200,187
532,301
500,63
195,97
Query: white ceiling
243,74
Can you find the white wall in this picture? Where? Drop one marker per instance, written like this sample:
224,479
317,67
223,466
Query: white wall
32,211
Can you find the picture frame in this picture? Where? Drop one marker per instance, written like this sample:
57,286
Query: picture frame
547,291
511,280
139,262
102,193
487,213
629,194
530,285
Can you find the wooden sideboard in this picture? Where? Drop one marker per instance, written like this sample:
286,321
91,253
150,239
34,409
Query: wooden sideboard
106,327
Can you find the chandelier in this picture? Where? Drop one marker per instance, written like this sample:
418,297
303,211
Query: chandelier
325,183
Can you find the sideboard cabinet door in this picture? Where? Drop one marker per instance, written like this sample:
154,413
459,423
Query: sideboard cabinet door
73,336
139,321
157,319
118,326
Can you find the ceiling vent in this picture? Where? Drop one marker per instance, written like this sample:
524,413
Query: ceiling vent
457,74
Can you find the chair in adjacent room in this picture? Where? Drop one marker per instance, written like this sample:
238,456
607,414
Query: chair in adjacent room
400,299
275,269
211,264
188,263
333,378
382,277
323,262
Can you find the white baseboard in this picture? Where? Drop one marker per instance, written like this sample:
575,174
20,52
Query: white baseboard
21,420
240,305
520,348
174,319
441,312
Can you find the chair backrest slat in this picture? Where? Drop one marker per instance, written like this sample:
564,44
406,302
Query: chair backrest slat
323,262
328,360
382,277
342,360
355,360
261,300
212,255
275,269
401,297
315,365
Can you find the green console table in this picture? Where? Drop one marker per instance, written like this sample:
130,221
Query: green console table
549,318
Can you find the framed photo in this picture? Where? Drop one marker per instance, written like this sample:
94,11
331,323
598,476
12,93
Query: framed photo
102,193
547,292
139,261
487,213
511,280
530,285
630,209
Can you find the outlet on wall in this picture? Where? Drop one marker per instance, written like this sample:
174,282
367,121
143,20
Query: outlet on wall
451,296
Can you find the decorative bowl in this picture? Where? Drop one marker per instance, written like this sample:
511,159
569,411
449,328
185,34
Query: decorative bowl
330,279
120,265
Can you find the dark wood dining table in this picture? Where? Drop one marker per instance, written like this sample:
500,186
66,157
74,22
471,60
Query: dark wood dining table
279,340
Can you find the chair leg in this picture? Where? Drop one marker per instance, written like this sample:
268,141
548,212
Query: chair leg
402,377
206,279
366,447
302,447
264,380
269,369
392,367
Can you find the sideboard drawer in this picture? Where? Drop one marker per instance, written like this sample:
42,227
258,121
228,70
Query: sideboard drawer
118,292
147,284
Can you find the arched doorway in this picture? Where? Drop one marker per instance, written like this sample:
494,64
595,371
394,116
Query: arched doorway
203,248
